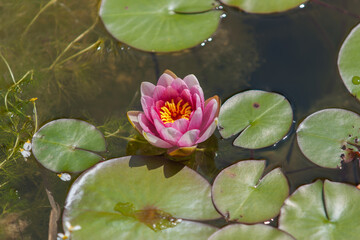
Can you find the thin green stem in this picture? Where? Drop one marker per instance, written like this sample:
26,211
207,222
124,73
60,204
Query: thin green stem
81,52
35,117
72,43
15,85
8,67
3,184
17,110
13,150
37,16
107,134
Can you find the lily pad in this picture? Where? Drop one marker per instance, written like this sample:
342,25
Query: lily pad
262,118
348,62
329,136
245,232
264,6
240,194
160,25
68,145
322,211
140,197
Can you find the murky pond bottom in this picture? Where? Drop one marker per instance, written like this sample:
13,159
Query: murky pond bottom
97,79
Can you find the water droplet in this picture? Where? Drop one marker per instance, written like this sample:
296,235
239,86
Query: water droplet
219,7
356,80
99,48
202,44
209,39
302,6
223,15
267,222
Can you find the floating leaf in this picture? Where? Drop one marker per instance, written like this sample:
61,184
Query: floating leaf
261,6
246,232
240,195
160,25
327,137
322,211
140,198
68,145
348,62
263,118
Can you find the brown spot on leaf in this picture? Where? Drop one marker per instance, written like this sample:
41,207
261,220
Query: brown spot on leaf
229,173
256,105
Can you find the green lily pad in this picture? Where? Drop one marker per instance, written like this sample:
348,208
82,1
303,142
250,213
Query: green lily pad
240,194
322,211
68,145
348,62
263,118
140,197
329,136
264,6
160,25
246,232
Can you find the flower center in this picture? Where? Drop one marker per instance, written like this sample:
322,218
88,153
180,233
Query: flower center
171,111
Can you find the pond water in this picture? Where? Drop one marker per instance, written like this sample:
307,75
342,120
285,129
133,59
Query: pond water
98,79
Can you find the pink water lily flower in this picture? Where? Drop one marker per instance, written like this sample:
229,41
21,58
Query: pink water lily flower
175,116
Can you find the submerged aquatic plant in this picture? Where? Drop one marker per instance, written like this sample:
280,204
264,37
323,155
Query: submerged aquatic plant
176,116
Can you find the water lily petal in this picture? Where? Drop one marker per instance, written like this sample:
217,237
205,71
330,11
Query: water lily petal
133,119
159,126
186,96
146,103
156,141
209,131
158,105
158,92
170,93
198,90
216,97
179,85
147,89
165,80
197,102
196,119
155,115
181,125
191,81
171,135
146,125
210,112
189,138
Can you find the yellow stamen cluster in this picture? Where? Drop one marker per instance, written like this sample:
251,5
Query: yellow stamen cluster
171,111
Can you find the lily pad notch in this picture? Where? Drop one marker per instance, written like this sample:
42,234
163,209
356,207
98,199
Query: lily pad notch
142,196
262,118
322,210
68,145
329,137
241,194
